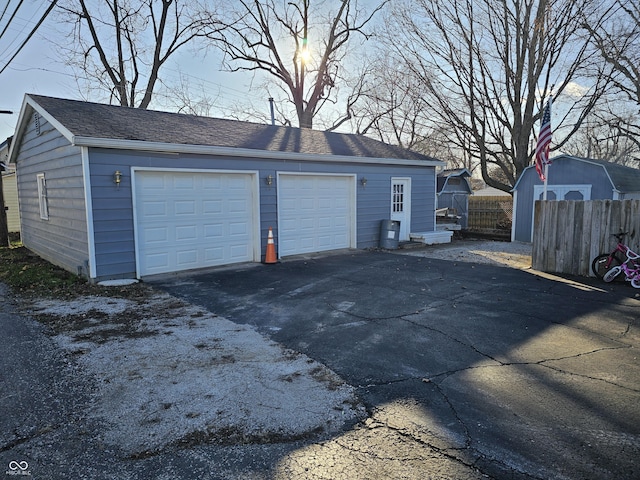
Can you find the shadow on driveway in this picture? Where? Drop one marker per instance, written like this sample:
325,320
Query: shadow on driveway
489,370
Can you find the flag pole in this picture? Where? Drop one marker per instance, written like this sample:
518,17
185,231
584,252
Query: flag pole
546,164
542,160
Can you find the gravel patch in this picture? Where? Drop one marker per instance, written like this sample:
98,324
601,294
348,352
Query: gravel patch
171,374
509,254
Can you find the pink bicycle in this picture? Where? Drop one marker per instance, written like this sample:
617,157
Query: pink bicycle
630,267
606,261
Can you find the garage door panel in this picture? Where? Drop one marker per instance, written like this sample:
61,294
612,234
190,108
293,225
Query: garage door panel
157,260
238,205
238,229
153,184
191,220
314,213
325,222
214,254
212,207
325,241
213,231
307,204
187,258
211,183
239,251
185,207
187,233
183,182
154,208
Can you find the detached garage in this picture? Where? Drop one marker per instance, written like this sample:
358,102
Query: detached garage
113,192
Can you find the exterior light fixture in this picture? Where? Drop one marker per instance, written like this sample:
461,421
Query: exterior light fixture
269,180
363,181
117,177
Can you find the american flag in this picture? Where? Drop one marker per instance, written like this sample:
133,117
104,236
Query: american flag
544,140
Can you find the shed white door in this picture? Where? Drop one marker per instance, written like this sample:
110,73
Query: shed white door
401,205
187,220
315,213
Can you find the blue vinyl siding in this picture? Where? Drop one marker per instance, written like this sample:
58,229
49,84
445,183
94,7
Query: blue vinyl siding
113,212
62,239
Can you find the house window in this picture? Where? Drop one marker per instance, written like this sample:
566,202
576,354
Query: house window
397,200
42,197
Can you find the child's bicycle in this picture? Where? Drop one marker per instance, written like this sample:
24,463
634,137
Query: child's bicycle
604,262
630,268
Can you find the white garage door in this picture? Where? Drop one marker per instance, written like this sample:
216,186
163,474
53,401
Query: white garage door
316,213
188,220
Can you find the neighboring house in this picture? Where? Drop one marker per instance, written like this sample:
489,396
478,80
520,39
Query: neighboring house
570,178
113,192
9,188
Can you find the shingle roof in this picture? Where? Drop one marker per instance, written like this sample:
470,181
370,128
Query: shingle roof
94,120
455,172
443,178
625,179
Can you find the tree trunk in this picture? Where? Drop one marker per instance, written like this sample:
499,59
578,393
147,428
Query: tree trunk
305,119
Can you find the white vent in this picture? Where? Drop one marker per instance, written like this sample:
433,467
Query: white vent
36,119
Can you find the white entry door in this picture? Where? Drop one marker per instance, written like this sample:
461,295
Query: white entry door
187,220
401,205
316,213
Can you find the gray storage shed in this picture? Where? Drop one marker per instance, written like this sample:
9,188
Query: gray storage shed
114,192
453,193
570,178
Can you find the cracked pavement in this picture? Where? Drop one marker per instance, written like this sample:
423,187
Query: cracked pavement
466,370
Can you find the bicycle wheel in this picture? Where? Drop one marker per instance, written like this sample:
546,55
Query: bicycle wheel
612,273
635,281
599,265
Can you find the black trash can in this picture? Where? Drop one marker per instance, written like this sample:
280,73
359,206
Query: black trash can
389,234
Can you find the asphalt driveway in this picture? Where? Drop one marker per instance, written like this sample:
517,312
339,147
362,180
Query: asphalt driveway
466,370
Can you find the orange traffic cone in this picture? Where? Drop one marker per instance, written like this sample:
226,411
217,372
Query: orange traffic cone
270,257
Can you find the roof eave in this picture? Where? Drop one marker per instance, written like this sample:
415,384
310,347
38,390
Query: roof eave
162,147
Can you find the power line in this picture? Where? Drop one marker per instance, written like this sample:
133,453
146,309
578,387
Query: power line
4,11
22,25
12,17
44,16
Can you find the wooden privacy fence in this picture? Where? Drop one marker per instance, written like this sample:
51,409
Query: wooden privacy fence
568,234
490,213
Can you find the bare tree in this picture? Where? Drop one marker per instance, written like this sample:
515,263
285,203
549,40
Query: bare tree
486,66
388,104
192,98
617,37
120,46
599,136
302,48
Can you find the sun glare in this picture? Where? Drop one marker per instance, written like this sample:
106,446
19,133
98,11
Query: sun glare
304,55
